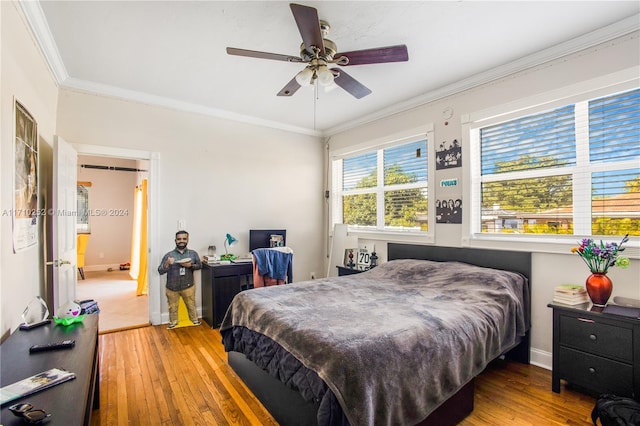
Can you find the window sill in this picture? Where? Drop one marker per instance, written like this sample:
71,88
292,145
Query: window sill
542,244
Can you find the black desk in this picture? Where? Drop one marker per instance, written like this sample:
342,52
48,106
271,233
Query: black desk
220,284
70,403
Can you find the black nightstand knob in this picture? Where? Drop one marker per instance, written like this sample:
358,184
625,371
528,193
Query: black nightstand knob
592,370
593,337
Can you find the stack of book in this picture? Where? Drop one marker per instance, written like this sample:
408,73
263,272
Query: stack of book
570,294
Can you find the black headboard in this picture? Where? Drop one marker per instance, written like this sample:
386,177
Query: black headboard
518,261
260,238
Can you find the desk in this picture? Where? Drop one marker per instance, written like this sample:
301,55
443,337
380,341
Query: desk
69,403
220,283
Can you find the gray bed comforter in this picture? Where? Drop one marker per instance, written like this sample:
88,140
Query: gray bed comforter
395,342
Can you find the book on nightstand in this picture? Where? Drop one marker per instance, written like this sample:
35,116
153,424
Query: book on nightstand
570,294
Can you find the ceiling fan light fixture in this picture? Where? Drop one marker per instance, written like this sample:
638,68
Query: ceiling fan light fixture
325,77
304,77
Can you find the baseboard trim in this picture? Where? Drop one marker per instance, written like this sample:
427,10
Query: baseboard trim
130,327
541,358
99,268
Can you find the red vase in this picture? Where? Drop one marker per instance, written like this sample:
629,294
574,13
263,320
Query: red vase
599,288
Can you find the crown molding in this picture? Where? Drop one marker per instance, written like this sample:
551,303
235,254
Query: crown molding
42,33
92,88
602,35
40,29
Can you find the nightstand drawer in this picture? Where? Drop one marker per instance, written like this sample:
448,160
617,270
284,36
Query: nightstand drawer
596,337
596,373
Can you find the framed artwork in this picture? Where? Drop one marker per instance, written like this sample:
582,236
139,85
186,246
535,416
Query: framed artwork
350,257
25,211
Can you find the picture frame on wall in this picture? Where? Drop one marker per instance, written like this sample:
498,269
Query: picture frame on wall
25,213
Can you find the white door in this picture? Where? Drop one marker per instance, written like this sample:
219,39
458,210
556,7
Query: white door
65,160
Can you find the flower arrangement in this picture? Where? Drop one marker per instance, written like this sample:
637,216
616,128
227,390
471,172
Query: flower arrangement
599,257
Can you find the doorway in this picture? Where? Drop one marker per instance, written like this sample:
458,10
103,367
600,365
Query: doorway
143,160
106,223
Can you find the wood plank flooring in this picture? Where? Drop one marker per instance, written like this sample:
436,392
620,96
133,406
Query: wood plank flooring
155,376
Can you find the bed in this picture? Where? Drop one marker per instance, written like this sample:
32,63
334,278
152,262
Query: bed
399,344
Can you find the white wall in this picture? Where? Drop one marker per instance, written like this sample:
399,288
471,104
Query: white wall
217,176
25,77
551,266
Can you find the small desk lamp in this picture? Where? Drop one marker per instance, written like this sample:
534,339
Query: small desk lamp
230,240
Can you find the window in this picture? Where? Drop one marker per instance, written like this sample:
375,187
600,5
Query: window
82,222
383,190
572,170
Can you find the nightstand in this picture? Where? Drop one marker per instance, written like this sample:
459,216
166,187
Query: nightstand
345,270
595,351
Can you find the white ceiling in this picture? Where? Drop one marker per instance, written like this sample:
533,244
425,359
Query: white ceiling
173,52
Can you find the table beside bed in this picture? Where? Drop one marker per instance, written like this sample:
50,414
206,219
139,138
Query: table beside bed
346,270
596,351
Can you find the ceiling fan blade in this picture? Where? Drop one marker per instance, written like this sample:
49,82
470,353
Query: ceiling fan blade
375,56
262,55
309,26
350,84
291,88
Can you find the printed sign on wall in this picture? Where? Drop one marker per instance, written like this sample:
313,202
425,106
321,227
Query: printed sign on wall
449,210
449,155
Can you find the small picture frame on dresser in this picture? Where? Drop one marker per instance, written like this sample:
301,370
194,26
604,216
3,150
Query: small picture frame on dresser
350,257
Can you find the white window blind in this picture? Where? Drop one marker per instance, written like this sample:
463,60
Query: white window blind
570,170
386,189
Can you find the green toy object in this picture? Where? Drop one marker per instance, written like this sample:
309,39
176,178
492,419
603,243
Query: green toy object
69,314
68,321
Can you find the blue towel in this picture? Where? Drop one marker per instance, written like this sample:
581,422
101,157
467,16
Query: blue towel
272,263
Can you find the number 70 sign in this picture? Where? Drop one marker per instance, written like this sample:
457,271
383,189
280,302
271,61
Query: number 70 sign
364,257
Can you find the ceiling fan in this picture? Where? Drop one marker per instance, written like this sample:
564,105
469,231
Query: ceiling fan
319,53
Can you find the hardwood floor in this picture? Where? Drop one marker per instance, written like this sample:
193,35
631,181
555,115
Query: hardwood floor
155,376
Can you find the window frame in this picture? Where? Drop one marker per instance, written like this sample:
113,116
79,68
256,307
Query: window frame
378,145
471,122
84,228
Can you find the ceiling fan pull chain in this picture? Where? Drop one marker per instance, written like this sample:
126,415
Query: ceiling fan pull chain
315,106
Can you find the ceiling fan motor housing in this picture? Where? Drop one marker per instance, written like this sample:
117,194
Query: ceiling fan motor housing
330,49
